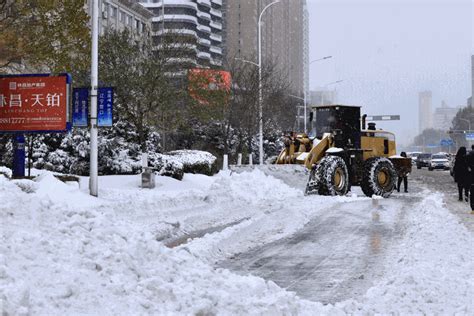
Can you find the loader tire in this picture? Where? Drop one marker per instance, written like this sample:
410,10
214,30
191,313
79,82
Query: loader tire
333,176
379,178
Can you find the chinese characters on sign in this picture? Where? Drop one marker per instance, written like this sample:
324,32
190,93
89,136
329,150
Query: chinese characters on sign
104,107
80,107
33,103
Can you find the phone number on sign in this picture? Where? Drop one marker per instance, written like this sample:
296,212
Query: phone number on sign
10,120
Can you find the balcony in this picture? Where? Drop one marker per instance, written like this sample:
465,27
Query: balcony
215,37
204,55
176,18
206,3
204,28
204,42
216,50
180,3
217,13
175,32
204,15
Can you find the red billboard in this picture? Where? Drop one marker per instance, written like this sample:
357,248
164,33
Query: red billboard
34,103
206,83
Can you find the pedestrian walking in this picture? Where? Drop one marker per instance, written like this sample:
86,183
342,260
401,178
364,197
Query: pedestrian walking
403,177
461,173
470,166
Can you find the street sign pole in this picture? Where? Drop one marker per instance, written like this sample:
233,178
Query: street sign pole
19,156
93,172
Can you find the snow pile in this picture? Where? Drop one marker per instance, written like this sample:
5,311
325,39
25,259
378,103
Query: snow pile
6,171
64,252
59,258
430,272
253,187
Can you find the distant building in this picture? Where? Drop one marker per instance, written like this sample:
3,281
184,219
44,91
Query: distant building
285,40
443,117
322,97
123,14
425,114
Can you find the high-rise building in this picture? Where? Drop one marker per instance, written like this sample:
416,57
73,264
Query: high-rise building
443,117
425,115
322,97
284,36
194,24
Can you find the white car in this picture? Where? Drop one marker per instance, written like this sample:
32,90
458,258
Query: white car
439,161
414,156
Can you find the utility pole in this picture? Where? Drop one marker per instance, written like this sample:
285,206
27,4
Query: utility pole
93,169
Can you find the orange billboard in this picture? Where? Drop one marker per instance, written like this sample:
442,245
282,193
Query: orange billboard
34,103
203,82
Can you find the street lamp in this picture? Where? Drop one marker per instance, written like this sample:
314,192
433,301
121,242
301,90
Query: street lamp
260,98
305,88
468,122
259,65
313,61
93,169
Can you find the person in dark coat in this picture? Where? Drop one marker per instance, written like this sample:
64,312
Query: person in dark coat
461,173
470,166
403,178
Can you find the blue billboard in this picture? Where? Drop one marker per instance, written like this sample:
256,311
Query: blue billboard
105,104
80,107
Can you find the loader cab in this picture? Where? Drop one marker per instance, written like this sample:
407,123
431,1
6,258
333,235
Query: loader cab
342,121
378,143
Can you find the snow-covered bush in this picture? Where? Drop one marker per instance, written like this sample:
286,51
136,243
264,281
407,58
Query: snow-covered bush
196,161
166,165
6,151
7,172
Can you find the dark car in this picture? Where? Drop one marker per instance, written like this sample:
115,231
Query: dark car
423,160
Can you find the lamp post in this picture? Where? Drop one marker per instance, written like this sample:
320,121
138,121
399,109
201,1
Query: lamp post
468,122
305,95
260,97
319,59
93,173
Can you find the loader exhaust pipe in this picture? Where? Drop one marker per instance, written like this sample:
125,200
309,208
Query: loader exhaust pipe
363,121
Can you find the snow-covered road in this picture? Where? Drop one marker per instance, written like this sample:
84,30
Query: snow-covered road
63,252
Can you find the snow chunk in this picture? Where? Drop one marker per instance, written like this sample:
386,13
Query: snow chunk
6,171
334,150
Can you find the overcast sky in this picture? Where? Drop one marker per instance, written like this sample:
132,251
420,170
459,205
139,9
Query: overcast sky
386,51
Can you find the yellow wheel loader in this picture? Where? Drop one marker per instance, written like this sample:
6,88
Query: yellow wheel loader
341,152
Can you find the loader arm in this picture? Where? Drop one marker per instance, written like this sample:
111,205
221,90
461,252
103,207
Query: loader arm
318,151
286,154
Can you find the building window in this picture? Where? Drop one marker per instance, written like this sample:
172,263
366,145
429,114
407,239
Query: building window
122,16
113,12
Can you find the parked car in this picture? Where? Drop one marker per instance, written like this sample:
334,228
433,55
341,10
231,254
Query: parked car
439,161
414,156
423,160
